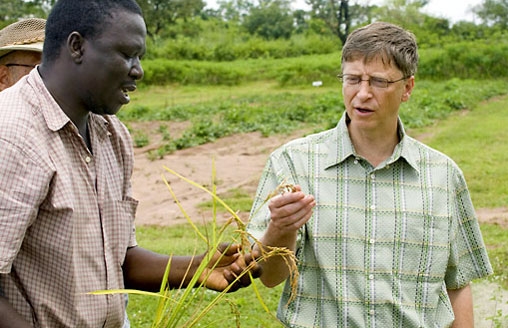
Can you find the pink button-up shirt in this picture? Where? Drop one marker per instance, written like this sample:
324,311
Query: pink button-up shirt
66,214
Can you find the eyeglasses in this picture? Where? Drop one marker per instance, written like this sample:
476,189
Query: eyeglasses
376,82
22,65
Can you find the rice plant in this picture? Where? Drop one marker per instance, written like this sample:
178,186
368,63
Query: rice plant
186,306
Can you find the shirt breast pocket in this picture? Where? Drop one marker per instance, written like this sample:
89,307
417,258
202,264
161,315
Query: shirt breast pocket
119,226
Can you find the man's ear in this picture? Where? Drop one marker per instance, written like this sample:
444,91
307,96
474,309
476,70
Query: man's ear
5,77
410,84
75,46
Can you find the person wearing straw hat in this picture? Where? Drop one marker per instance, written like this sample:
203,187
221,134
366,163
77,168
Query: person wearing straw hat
66,202
20,49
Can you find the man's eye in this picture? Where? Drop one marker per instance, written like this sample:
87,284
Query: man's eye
352,79
378,81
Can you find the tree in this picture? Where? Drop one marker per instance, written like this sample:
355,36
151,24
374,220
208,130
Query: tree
341,16
469,31
407,13
271,19
335,14
430,31
160,13
11,11
301,23
493,13
234,10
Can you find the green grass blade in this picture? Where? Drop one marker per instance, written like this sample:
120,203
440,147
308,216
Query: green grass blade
183,210
197,185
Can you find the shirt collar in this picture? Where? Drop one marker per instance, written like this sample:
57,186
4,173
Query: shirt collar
55,117
345,149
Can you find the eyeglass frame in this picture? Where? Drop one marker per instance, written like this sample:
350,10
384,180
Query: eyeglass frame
385,82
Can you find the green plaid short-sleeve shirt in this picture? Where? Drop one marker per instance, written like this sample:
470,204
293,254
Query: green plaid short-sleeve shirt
384,244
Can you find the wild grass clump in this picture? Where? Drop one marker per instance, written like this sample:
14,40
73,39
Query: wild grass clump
221,47
187,306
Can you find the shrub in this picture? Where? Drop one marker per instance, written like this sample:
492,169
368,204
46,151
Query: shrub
466,60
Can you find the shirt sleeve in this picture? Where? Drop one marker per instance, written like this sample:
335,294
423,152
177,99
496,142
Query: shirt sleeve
468,257
23,187
260,214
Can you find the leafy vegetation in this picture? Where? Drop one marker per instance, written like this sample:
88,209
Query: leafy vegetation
236,29
273,61
283,110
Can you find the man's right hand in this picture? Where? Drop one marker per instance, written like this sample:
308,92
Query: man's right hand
290,211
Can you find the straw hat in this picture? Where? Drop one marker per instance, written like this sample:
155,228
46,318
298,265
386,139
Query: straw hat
27,34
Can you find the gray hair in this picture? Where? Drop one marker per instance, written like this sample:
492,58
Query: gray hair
393,44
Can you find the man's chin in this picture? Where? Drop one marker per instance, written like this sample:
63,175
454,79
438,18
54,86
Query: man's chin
108,110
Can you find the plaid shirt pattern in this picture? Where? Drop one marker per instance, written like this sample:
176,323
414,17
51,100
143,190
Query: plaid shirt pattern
66,215
384,244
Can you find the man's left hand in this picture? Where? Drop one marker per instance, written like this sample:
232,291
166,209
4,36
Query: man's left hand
229,269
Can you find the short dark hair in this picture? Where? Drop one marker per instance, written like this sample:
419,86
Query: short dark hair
392,43
87,17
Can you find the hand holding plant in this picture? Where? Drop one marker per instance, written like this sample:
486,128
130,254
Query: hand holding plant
290,209
227,267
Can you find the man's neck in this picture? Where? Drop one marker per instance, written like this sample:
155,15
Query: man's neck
375,146
62,92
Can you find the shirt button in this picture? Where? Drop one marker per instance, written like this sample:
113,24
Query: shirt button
372,312
372,207
356,161
88,159
372,176
371,276
372,241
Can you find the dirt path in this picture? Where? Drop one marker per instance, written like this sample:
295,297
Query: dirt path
239,161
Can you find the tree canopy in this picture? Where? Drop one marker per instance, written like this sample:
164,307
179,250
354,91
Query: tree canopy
276,19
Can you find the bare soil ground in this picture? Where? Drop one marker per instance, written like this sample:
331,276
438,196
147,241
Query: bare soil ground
239,160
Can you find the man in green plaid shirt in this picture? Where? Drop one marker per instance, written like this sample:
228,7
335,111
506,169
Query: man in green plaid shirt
382,226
